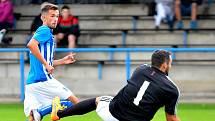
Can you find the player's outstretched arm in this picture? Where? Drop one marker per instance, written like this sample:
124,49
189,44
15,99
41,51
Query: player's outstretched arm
69,59
171,117
33,46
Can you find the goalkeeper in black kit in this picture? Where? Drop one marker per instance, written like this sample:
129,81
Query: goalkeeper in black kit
147,90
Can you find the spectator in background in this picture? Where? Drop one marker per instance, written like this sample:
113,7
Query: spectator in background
37,22
67,31
151,7
165,10
6,17
6,14
185,8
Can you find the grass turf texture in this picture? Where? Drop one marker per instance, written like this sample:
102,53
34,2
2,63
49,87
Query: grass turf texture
186,112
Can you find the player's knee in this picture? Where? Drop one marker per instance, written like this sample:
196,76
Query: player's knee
73,99
97,100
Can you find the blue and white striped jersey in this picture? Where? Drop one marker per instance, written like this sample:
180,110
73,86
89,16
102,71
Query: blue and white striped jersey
38,72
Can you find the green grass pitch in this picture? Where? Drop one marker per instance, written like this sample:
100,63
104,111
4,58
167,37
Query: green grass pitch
186,112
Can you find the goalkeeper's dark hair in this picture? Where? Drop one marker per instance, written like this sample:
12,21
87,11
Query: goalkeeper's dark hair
159,57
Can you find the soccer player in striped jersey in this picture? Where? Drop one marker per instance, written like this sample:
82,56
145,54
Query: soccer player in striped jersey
41,86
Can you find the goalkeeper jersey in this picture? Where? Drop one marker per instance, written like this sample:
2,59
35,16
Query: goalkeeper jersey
146,91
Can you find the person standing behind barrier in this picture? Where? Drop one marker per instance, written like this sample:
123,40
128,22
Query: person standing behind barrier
165,10
6,14
6,17
67,31
185,8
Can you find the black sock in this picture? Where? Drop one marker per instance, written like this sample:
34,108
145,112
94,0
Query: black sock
80,108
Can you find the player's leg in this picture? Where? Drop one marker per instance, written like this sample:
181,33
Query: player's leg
42,98
73,99
31,103
48,109
31,117
103,108
58,89
36,115
38,103
55,88
80,108
101,104
51,88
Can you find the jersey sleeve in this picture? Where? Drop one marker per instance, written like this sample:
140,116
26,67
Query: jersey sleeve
42,35
171,106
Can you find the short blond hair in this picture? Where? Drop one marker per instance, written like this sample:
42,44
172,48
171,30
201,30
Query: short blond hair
44,4
47,7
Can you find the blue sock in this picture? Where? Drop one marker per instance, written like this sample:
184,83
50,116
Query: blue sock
48,109
66,103
45,110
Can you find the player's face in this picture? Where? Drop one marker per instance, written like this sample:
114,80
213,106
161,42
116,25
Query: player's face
52,18
169,65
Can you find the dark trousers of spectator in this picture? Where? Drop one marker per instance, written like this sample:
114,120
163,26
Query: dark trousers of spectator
5,25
